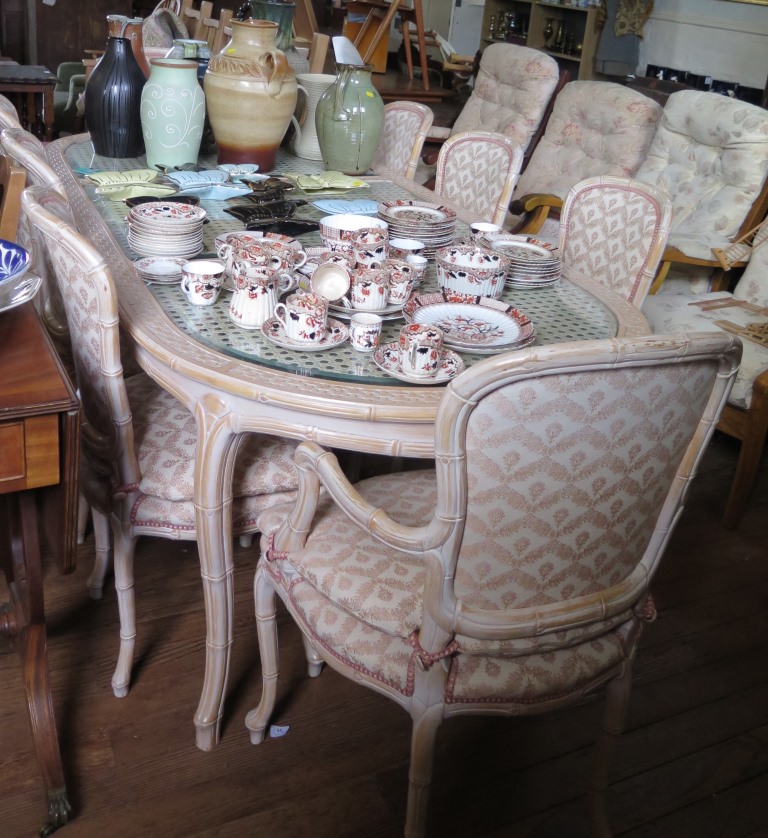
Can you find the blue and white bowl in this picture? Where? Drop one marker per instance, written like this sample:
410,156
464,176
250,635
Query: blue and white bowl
14,261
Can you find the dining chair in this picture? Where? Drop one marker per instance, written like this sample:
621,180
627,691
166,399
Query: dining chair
138,442
30,153
710,155
405,128
478,170
745,311
596,128
12,182
513,89
613,231
513,578
9,116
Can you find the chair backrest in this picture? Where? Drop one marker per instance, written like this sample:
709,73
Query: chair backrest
29,152
212,29
405,129
12,181
596,128
513,87
710,155
89,297
561,471
752,287
478,170
9,116
614,231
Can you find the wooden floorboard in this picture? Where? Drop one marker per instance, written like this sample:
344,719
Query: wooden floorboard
692,762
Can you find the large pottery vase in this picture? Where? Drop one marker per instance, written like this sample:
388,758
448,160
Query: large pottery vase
113,101
250,90
172,113
121,26
349,120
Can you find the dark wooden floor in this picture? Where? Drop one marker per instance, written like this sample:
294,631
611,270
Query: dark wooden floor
693,761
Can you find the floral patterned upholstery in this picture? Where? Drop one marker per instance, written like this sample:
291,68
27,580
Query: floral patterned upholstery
596,128
613,231
405,128
138,442
478,170
710,155
512,90
514,576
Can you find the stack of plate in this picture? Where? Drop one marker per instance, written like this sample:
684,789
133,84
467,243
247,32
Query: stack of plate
486,327
165,270
432,224
534,263
166,229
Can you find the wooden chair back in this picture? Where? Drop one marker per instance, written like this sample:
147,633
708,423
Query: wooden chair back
12,180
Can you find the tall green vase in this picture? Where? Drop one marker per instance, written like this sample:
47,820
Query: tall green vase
349,120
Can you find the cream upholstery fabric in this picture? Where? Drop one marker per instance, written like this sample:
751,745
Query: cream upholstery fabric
596,128
710,155
513,87
405,129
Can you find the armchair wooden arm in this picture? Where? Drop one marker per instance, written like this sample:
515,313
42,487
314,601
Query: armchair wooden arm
535,208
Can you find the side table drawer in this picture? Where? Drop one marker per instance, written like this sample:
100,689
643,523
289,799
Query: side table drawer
29,453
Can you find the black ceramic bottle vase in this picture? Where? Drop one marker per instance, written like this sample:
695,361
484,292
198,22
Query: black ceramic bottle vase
113,102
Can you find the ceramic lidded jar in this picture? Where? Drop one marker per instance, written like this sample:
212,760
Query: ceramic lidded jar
251,94
172,113
349,119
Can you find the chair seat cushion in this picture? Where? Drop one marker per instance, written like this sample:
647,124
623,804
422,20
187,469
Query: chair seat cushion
674,313
165,439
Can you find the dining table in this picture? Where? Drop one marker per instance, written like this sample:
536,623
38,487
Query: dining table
236,382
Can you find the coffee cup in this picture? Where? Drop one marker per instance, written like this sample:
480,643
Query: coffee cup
370,289
401,276
420,347
303,316
201,281
330,281
370,246
365,331
419,264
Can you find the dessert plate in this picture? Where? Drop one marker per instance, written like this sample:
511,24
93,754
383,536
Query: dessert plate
164,270
468,326
335,334
387,358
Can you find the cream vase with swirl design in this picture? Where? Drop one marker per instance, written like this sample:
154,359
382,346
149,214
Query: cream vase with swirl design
172,113
251,93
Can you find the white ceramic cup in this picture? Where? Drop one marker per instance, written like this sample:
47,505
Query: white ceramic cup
403,248
401,279
420,347
303,317
201,281
365,331
419,265
330,280
370,246
370,289
480,228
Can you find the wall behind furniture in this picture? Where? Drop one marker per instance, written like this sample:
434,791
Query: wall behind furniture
718,38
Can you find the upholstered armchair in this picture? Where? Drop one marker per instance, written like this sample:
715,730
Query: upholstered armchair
512,94
513,578
745,417
596,128
405,129
710,155
70,83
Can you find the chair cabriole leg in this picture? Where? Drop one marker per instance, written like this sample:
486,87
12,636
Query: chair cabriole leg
264,594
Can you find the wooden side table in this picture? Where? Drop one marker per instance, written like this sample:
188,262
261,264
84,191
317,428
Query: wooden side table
30,85
39,417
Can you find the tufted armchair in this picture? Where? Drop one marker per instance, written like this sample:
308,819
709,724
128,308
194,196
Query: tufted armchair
596,128
745,417
138,442
514,577
478,171
512,92
710,155
613,231
405,128
70,83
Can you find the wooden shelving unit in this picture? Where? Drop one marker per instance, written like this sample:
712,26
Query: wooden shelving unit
579,25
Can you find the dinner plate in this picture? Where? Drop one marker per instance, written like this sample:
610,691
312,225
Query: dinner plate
335,333
387,358
422,213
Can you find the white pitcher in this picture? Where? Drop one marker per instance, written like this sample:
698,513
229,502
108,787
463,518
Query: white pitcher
305,143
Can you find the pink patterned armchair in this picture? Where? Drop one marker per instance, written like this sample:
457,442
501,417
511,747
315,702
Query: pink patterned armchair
405,129
596,128
138,443
514,577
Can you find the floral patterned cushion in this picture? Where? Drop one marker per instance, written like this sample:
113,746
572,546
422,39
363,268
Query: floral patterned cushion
596,128
165,438
512,89
710,155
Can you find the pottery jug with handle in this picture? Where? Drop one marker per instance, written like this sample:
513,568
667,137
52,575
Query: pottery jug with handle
311,87
250,91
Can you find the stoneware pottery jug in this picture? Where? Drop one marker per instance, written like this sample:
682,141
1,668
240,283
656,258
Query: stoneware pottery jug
312,86
349,120
131,28
172,113
113,100
251,95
